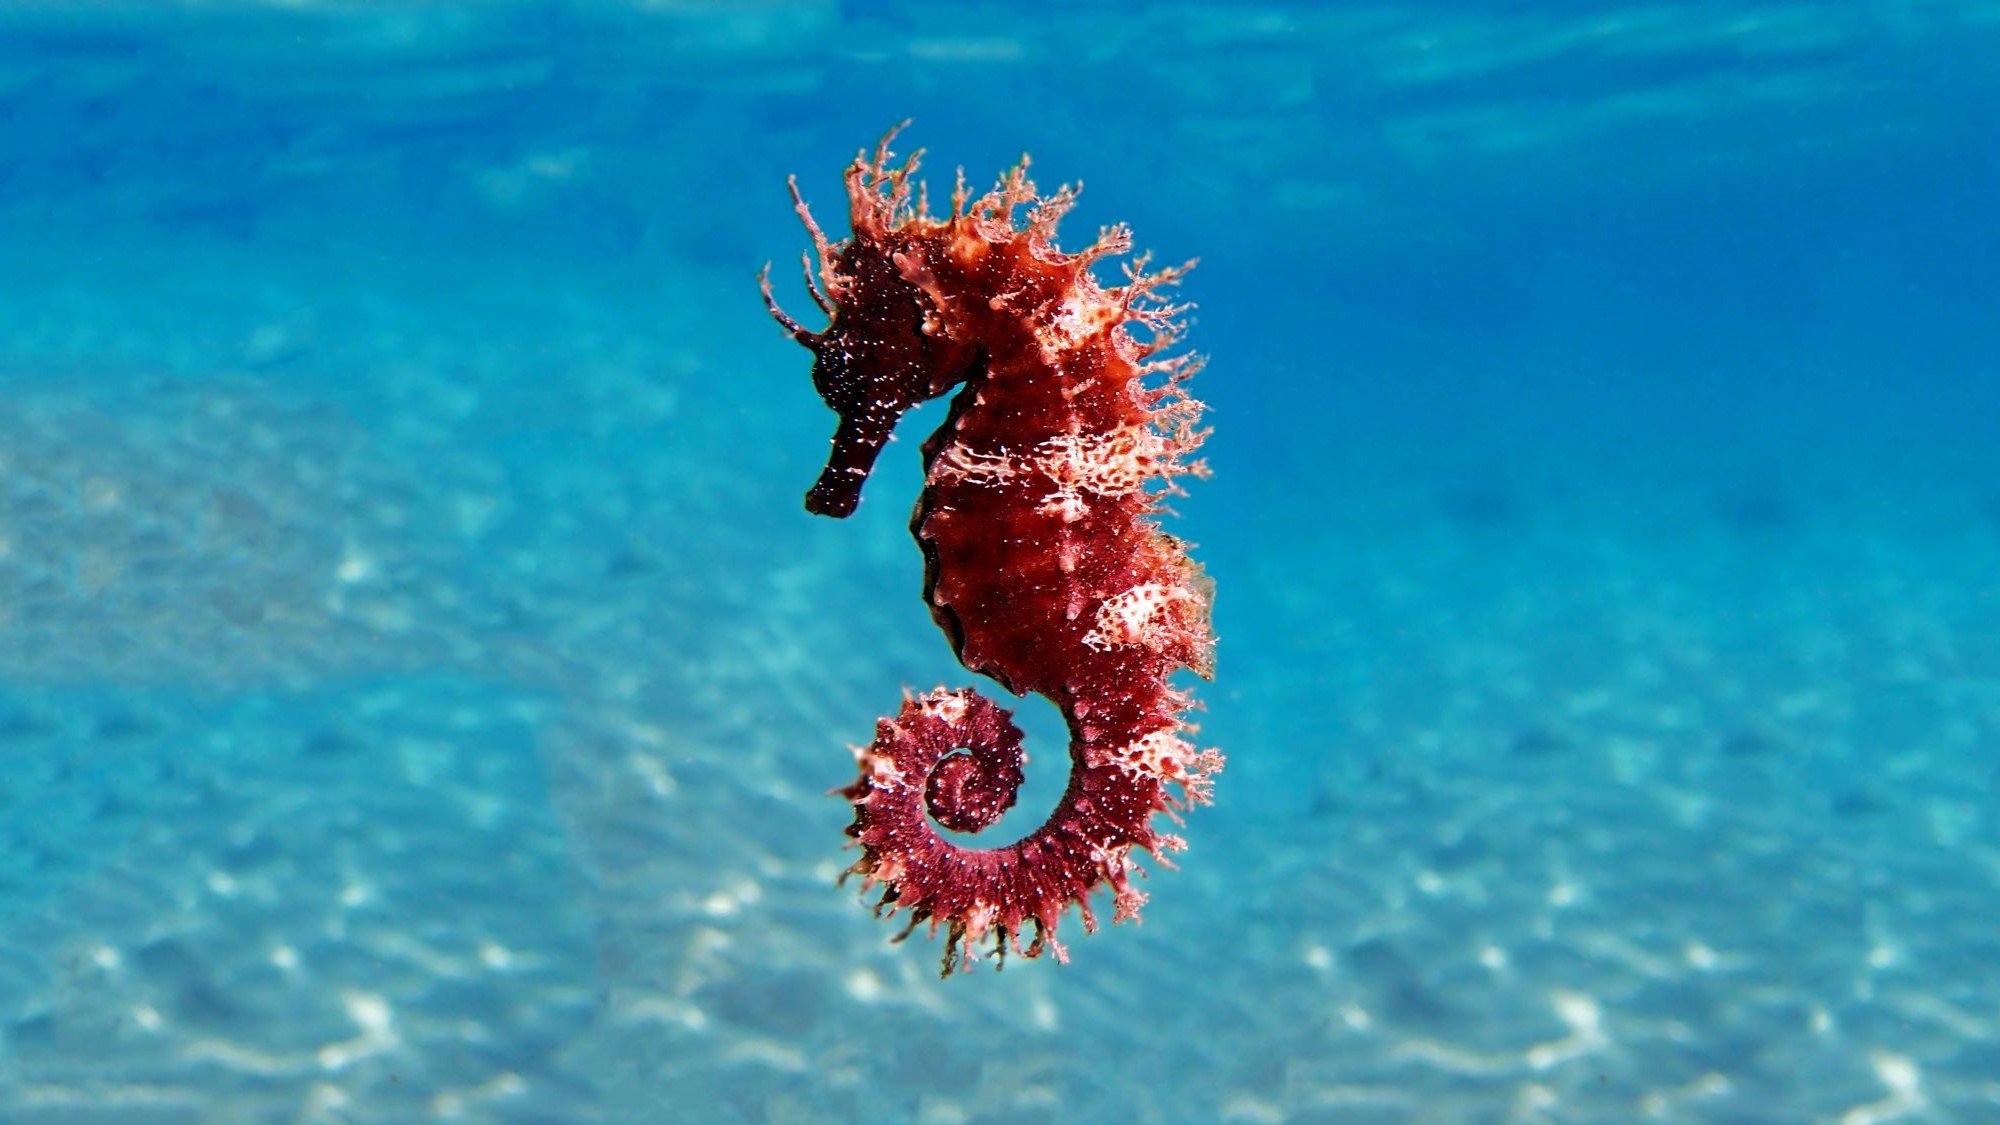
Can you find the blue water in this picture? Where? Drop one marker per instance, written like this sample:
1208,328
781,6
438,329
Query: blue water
419,681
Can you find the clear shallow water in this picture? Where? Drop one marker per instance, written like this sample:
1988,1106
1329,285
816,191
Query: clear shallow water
420,680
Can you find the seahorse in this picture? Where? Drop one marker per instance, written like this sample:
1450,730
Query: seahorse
1044,561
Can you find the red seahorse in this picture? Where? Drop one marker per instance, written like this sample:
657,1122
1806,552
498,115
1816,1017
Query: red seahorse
1045,565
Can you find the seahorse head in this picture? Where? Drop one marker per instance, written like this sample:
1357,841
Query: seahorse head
882,353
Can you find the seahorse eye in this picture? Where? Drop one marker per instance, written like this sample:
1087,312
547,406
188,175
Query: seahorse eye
833,371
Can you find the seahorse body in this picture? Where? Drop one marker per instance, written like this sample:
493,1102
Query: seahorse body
1045,565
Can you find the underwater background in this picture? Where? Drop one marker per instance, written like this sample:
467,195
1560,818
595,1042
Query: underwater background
420,681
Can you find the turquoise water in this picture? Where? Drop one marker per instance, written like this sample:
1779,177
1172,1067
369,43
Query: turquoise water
419,680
